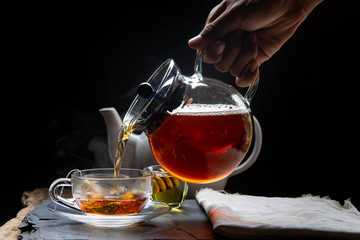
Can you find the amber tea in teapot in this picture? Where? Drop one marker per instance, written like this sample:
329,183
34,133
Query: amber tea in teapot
202,143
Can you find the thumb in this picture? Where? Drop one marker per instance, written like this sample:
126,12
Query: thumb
214,31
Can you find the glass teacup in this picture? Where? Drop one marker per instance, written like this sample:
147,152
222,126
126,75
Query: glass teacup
167,188
96,191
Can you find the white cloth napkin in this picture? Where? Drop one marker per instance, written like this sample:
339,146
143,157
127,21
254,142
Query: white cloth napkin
246,217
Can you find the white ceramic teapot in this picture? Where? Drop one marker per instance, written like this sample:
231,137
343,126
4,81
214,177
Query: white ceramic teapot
139,155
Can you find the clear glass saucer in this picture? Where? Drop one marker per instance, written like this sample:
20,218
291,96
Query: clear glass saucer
152,209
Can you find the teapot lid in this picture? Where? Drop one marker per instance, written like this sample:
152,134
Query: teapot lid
153,95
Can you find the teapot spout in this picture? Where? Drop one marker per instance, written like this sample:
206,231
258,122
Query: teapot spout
113,124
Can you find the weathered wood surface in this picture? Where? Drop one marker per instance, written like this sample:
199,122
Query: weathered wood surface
30,199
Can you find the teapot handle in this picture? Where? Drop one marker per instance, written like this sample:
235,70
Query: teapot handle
198,63
252,90
255,151
198,72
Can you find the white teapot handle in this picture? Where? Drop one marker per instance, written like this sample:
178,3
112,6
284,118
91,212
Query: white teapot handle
255,151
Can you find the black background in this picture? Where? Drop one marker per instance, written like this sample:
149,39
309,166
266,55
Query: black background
63,64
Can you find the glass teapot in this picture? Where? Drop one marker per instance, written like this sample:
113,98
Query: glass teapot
199,129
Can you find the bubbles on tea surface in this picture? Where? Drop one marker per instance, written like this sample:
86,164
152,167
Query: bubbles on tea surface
210,109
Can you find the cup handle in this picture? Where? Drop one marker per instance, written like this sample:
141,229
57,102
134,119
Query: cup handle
255,151
59,183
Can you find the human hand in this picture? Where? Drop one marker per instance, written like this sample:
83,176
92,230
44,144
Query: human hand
239,35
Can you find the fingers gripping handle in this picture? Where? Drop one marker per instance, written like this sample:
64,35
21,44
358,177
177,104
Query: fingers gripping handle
198,70
255,151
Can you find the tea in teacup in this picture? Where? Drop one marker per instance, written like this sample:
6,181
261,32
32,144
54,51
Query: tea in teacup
97,191
127,203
